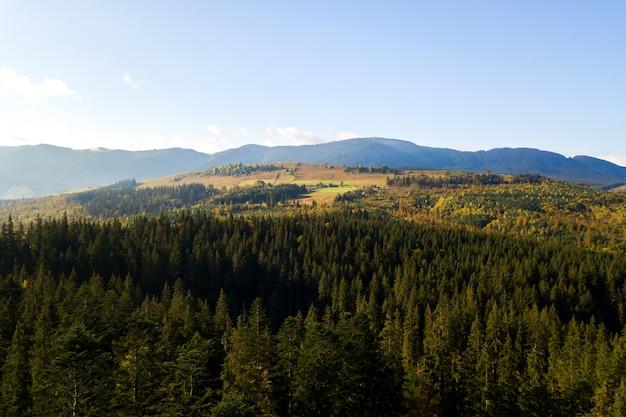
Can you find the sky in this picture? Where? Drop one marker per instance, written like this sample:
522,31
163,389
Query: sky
212,75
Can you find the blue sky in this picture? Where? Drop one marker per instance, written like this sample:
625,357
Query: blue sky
212,75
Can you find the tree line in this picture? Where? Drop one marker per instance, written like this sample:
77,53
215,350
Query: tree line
127,200
268,195
239,169
461,179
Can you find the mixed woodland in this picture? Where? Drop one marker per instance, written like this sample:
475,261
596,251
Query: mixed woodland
430,295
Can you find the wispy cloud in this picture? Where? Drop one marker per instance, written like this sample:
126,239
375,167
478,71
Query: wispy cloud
14,140
149,140
228,134
21,85
348,135
220,139
132,82
616,159
29,132
292,136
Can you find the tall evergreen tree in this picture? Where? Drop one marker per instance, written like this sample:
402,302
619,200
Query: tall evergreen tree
249,360
370,384
190,382
137,374
77,382
15,398
317,391
288,343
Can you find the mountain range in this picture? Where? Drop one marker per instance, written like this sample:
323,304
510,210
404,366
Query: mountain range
30,171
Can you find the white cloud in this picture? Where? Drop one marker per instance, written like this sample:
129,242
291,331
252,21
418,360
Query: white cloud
616,159
158,142
10,80
226,134
133,83
348,135
132,142
291,134
29,132
220,139
270,142
13,140
211,145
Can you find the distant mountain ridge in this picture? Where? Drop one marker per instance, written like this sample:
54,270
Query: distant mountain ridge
29,171
400,154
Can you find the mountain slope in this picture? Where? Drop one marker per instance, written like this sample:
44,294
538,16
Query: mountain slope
27,171
352,152
397,153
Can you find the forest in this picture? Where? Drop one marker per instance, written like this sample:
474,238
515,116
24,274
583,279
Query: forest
386,303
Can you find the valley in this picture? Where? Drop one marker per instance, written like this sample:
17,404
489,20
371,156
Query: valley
524,205
296,289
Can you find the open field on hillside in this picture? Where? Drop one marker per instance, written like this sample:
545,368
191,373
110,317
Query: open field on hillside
525,205
289,174
325,181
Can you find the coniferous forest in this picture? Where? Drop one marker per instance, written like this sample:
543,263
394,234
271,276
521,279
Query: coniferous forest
336,311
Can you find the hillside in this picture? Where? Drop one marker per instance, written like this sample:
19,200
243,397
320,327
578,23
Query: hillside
239,289
30,171
323,182
400,154
523,205
322,312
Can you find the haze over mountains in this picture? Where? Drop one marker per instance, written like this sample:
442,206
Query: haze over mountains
30,171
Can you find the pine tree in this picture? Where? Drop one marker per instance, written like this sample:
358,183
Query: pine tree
16,378
442,363
137,375
508,379
534,398
77,381
618,408
249,360
288,342
317,391
10,297
222,323
370,383
191,384
178,320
